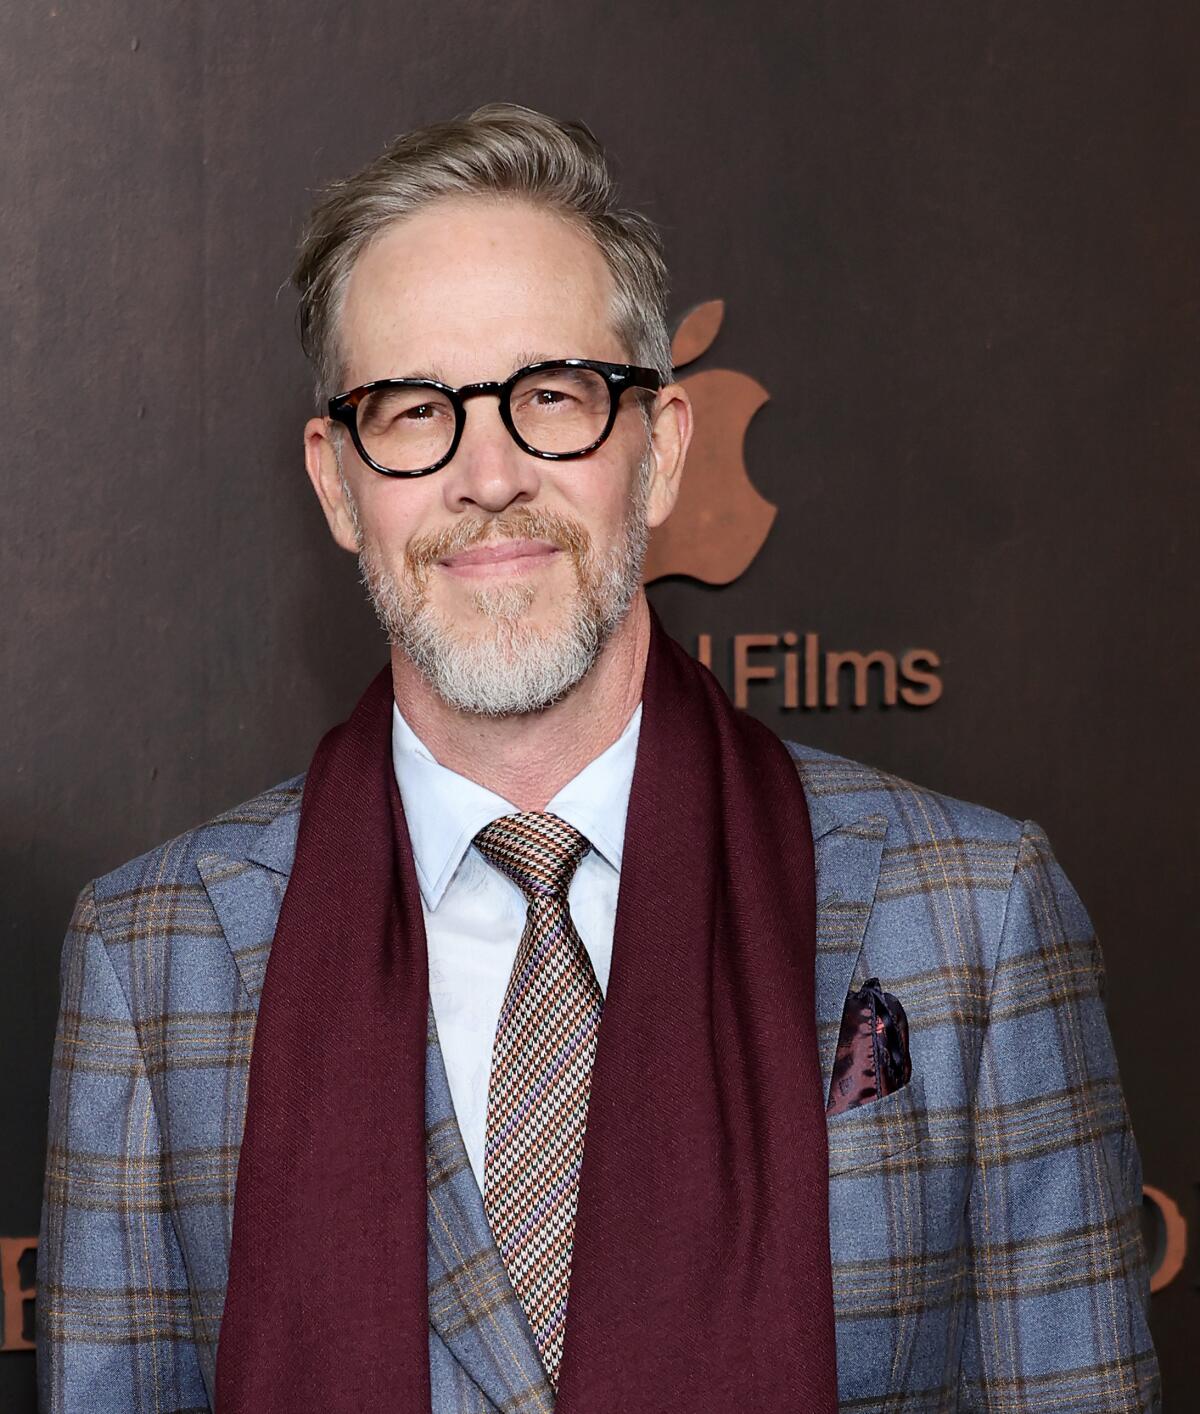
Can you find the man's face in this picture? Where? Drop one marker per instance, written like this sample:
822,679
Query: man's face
502,574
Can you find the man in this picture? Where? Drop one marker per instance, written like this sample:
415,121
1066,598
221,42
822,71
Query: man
854,1130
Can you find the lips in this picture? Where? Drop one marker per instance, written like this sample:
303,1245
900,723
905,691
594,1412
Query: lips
500,557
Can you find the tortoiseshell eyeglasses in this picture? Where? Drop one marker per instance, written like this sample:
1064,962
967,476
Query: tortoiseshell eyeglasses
557,409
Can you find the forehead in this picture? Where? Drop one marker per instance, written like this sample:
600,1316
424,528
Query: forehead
470,288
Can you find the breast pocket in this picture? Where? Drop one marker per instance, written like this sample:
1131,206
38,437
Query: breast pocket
884,1129
878,1231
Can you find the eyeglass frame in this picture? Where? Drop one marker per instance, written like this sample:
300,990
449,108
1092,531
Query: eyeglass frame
618,378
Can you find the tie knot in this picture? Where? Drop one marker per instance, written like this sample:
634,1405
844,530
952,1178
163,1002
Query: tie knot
539,852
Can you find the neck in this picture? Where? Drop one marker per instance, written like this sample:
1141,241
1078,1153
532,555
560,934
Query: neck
528,759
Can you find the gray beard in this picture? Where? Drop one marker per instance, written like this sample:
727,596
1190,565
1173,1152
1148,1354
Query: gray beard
508,666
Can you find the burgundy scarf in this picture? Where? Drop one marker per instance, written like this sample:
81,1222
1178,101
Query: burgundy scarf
701,1273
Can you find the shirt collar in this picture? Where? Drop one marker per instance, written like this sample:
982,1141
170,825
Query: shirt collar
445,811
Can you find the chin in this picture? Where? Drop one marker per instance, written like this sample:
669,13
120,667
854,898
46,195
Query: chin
505,666
510,647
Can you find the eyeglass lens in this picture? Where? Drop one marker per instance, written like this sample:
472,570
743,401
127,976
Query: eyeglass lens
555,410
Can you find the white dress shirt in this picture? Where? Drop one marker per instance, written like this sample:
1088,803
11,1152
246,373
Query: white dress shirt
474,914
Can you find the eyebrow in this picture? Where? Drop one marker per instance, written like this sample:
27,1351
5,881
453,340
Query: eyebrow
526,358
432,373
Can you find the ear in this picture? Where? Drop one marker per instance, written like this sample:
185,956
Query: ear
670,435
320,461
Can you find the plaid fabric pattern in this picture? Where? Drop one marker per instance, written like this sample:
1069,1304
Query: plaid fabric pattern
482,1354
541,1074
983,1218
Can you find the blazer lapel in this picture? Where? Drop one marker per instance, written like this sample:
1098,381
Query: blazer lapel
848,846
246,892
472,1305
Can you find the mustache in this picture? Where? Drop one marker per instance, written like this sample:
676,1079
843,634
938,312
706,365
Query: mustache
519,523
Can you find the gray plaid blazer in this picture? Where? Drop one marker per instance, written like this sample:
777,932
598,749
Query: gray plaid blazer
984,1218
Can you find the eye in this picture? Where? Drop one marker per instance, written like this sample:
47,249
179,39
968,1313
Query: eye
401,408
549,397
560,398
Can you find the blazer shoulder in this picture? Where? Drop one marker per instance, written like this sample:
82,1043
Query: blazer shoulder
839,790
263,827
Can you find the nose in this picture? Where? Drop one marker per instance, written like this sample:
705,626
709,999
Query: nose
488,471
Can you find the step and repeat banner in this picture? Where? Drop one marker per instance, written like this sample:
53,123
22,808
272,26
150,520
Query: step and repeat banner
935,294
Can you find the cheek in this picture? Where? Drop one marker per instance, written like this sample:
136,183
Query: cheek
599,511
601,493
392,514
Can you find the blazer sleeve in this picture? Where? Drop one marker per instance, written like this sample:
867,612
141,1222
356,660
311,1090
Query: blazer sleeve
114,1320
1058,1281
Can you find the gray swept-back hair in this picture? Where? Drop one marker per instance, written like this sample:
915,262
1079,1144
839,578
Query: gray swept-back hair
501,150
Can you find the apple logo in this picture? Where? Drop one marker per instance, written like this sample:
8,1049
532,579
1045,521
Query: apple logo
720,521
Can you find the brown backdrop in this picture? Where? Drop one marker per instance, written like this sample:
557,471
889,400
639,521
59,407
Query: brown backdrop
957,245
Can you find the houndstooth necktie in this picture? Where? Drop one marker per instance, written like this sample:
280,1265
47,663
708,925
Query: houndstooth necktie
541,1074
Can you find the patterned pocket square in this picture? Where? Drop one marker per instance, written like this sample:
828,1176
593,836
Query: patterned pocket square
872,1051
